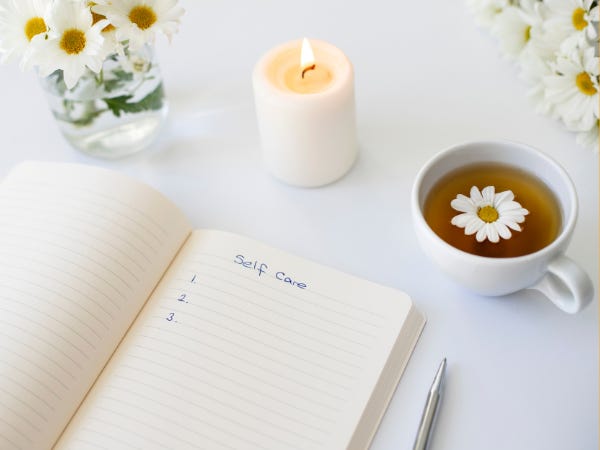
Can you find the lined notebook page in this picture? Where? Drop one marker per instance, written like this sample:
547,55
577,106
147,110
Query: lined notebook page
80,251
243,347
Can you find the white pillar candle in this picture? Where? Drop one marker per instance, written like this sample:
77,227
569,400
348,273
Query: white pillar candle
306,113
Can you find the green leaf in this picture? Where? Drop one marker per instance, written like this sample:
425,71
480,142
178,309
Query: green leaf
122,77
121,104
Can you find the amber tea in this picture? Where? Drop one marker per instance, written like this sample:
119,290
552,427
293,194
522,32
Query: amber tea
541,226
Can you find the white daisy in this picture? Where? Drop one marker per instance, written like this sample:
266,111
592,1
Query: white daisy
20,22
587,136
73,43
573,88
515,26
536,62
570,22
488,215
137,21
109,33
486,12
589,139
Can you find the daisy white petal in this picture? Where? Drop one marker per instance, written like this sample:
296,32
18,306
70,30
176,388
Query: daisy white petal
508,206
486,11
481,234
503,230
474,225
488,194
536,62
516,25
476,196
463,203
492,232
587,137
461,220
509,223
501,197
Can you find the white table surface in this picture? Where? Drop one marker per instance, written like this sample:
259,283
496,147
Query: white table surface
521,374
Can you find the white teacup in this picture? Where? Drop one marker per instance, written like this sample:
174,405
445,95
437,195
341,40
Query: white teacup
547,270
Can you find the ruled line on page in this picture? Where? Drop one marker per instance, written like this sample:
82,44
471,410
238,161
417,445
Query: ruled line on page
27,405
83,268
279,413
270,372
248,375
65,311
167,432
52,318
29,277
11,442
34,350
112,199
234,382
265,357
93,223
105,436
333,299
237,424
12,325
41,325
87,242
262,319
338,312
284,315
37,366
37,380
25,420
28,282
265,343
10,425
104,433
28,390
83,205
203,297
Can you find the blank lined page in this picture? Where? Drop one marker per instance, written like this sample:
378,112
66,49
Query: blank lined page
243,347
81,249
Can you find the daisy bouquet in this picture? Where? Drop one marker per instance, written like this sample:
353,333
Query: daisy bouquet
554,43
94,57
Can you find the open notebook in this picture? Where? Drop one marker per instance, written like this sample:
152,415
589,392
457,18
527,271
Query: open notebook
121,327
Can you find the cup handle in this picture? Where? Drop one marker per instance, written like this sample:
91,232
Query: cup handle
566,285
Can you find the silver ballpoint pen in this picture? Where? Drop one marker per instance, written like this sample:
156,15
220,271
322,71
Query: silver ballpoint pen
430,410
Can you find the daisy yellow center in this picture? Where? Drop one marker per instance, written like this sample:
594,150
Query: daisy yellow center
528,33
584,84
143,16
97,18
73,41
35,26
578,19
488,214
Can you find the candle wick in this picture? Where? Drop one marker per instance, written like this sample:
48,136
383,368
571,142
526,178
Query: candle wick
307,69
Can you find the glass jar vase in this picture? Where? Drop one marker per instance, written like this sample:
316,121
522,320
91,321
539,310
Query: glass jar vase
113,113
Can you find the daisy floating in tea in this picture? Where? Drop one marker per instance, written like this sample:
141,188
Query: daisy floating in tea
488,215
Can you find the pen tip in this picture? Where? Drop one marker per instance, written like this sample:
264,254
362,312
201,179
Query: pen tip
442,367
439,376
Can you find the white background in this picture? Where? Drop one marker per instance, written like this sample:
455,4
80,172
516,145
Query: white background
521,374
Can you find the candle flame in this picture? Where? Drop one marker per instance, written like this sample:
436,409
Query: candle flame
307,57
